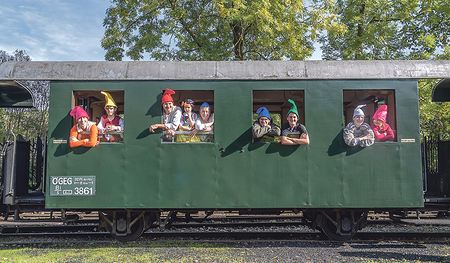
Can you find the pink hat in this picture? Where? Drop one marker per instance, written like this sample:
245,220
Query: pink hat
381,113
167,96
78,112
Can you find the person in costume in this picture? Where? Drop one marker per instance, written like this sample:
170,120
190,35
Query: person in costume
301,134
381,129
205,123
85,132
171,117
264,125
357,132
188,119
110,122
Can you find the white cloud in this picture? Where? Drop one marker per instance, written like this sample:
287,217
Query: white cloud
53,30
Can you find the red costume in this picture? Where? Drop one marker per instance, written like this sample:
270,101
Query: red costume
106,122
382,134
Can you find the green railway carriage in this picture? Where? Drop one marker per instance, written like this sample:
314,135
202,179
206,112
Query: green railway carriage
134,179
232,172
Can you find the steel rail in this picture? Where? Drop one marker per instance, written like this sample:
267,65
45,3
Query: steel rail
92,226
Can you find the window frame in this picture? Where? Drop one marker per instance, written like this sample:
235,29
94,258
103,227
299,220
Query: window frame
272,101
99,103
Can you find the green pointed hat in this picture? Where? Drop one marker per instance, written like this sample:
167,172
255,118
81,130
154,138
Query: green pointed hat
293,108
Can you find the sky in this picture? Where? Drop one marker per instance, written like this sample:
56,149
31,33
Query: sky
57,30
53,30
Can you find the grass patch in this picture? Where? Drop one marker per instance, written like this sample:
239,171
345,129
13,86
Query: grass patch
178,251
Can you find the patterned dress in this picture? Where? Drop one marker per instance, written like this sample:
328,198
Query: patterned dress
353,133
185,123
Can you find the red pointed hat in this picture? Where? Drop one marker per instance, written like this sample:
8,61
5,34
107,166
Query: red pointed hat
381,113
78,112
167,96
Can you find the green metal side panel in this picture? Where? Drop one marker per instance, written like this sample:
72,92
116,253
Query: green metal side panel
145,173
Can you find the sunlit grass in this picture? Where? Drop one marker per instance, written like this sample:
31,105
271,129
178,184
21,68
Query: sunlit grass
119,252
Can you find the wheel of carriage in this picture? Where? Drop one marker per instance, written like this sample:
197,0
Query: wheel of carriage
341,225
125,226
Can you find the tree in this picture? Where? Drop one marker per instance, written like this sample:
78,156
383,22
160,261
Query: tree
434,116
213,29
31,123
389,29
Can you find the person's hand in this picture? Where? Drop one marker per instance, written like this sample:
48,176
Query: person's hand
212,118
193,133
303,136
111,128
73,139
289,138
153,128
170,132
86,140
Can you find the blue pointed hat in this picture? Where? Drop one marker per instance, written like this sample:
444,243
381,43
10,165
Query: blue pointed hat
263,112
205,104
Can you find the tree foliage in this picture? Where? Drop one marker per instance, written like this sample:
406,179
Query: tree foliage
31,123
434,116
213,29
389,29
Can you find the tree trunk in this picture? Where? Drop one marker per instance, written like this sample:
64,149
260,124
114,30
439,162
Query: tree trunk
359,51
238,39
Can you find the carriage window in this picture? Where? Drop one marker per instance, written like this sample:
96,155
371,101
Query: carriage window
106,109
199,128
277,106
379,111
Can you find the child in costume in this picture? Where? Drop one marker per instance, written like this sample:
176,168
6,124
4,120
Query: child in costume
293,126
381,129
188,119
171,117
85,132
357,132
205,123
110,122
264,125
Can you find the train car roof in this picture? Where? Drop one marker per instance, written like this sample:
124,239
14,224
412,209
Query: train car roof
225,70
441,91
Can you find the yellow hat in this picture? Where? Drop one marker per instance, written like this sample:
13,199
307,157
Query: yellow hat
109,99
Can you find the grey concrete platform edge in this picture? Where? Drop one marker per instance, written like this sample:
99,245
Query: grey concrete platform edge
225,70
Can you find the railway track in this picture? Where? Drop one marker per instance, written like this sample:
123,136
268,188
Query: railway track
91,225
224,228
